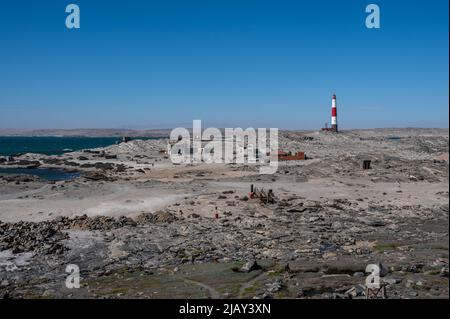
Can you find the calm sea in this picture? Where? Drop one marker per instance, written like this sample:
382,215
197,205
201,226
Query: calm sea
44,173
10,145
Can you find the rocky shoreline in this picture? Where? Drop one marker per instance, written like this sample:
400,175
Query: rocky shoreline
138,226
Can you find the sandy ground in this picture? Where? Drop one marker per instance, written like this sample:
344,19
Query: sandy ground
107,200
132,198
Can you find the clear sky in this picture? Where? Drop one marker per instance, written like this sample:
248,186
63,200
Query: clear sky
158,64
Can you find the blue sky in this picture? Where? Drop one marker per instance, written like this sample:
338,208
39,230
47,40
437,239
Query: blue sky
158,64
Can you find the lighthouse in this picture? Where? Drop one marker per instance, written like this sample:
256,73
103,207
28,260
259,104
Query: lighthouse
334,126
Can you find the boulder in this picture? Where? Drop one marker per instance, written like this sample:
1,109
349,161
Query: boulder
250,266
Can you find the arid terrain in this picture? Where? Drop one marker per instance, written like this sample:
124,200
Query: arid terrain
139,226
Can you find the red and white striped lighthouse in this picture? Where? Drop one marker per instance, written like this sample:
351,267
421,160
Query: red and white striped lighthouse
334,125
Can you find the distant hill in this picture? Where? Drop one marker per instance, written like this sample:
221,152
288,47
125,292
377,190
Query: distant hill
86,132
166,132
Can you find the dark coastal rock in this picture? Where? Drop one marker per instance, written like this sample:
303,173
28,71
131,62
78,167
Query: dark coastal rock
328,247
275,286
69,163
97,176
91,151
250,266
121,168
52,161
19,178
157,217
102,223
87,165
104,166
27,163
43,238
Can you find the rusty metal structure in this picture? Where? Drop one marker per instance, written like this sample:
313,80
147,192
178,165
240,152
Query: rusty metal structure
265,197
288,156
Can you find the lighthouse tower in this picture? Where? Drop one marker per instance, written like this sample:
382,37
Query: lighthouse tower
334,126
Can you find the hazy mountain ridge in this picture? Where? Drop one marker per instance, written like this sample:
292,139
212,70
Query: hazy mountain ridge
85,132
165,132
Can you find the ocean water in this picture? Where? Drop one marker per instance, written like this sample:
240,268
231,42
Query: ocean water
48,174
50,145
